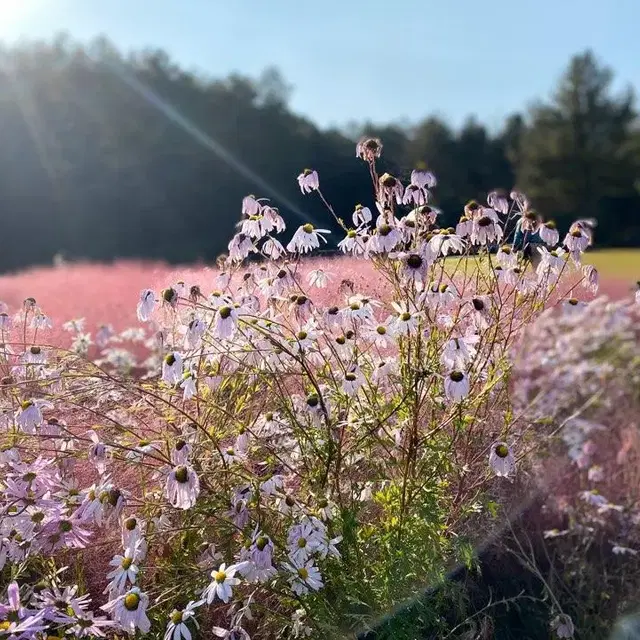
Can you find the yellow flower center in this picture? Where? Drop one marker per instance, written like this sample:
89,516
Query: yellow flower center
131,601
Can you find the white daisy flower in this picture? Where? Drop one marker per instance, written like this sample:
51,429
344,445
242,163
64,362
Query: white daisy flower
406,321
304,577
273,249
97,452
220,586
41,321
146,305
390,188
443,244
501,459
463,227
576,241
415,195
485,229
226,322
573,306
275,219
251,205
506,257
240,247
361,215
498,201
548,233
591,278
188,385
385,239
319,278
308,181
352,381
29,416
456,386
383,370
172,368
177,627
35,355
423,179
457,353
354,242
193,336
306,238
125,571
182,487
129,611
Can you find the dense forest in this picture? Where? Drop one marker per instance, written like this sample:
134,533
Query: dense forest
105,155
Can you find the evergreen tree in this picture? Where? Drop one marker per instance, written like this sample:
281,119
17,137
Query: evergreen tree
575,157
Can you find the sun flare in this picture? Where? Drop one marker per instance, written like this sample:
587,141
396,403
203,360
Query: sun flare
12,12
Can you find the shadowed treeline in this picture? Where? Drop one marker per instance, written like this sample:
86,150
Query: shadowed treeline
104,155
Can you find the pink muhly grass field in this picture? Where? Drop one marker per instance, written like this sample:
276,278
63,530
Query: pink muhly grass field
108,293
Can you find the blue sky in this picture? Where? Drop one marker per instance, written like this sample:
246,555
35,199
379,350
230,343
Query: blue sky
354,60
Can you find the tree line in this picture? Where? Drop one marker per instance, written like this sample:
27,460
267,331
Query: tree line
105,155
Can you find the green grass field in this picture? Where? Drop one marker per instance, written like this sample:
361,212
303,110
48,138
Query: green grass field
616,263
619,264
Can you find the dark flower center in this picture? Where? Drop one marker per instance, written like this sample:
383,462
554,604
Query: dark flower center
65,526
502,451
169,295
182,475
388,181
414,261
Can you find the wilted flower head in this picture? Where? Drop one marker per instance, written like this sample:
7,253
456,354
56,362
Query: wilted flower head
563,626
368,149
308,181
